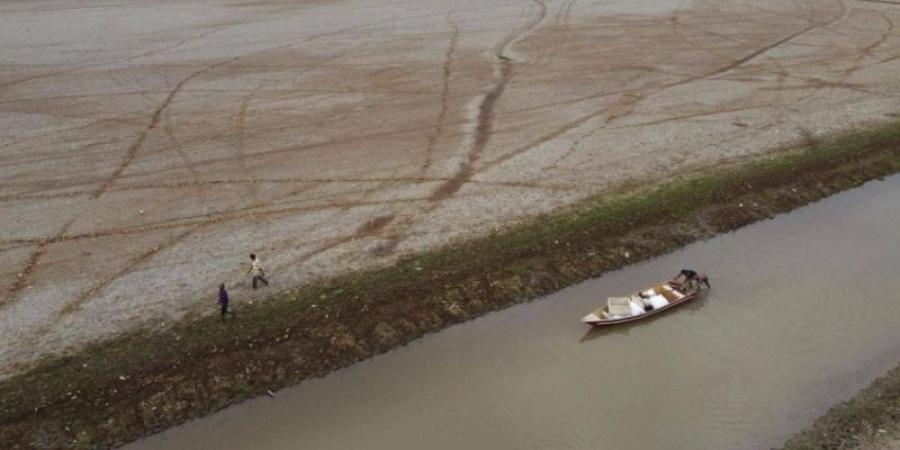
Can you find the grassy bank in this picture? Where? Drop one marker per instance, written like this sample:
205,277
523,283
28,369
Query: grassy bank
115,391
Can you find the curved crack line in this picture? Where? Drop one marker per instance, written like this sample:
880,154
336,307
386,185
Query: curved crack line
249,212
213,182
445,90
76,303
188,164
868,50
154,123
22,277
717,71
569,40
484,124
676,22
252,210
887,2
240,119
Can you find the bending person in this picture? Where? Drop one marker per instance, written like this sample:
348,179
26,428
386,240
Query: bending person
688,274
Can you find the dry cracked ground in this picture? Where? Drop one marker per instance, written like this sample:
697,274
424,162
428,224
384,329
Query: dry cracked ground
148,147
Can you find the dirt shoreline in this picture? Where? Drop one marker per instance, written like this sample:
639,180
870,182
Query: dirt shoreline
870,420
116,391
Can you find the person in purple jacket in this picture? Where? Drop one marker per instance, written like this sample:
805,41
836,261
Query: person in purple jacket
223,301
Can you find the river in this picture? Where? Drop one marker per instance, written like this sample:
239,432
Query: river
804,311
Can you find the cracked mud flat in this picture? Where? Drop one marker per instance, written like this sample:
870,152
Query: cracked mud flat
148,148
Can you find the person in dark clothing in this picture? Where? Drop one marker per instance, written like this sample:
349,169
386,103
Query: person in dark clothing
688,274
223,301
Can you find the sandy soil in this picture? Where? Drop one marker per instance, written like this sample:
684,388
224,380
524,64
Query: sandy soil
149,147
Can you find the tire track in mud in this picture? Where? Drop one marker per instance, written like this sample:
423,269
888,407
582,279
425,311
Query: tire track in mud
185,160
255,211
778,43
566,17
131,153
38,159
484,122
815,85
640,93
616,111
306,181
120,60
74,305
157,115
239,124
445,92
155,119
266,210
368,228
887,2
676,22
34,77
868,51
277,151
22,278
627,102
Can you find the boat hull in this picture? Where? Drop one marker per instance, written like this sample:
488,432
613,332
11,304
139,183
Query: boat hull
595,318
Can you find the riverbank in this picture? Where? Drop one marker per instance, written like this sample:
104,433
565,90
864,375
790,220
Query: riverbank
116,391
868,421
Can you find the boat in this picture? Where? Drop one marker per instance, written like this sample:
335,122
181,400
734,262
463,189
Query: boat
641,304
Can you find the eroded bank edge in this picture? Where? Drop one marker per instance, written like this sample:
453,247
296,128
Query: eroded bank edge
118,390
869,419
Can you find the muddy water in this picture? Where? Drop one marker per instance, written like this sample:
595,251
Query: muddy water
804,311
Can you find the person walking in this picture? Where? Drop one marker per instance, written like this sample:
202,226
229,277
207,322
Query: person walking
259,275
223,301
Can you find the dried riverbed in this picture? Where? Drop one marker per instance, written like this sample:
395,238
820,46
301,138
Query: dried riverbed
149,147
143,382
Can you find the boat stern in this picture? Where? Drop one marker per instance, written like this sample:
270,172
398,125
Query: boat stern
591,318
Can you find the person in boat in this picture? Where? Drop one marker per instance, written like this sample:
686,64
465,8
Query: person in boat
703,279
692,279
688,275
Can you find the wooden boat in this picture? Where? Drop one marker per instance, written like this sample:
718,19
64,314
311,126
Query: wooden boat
640,305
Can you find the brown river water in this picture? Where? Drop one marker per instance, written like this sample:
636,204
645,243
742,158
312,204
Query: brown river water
804,311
